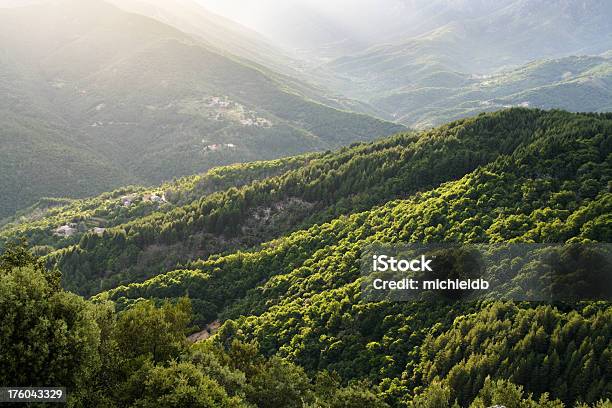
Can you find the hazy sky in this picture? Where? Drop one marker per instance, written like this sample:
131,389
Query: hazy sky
358,11
14,3
315,24
358,19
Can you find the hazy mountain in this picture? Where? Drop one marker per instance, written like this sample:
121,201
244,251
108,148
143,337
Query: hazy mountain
570,83
324,29
461,57
492,29
476,37
226,36
138,100
41,153
18,3
426,62
213,29
524,29
295,25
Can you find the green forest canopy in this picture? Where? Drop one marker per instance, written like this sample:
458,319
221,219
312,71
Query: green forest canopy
291,290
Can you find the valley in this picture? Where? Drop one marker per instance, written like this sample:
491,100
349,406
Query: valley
137,113
191,192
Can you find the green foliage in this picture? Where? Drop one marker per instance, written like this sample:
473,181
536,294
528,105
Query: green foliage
140,357
176,386
145,330
279,384
293,318
353,396
47,336
506,394
298,296
435,396
558,352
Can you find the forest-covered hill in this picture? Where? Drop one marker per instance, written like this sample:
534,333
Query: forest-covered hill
317,189
277,261
298,296
96,98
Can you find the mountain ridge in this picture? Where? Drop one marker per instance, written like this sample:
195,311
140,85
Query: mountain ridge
298,296
195,109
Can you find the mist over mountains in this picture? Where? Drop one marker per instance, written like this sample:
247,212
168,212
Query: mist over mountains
95,97
426,62
189,195
549,28
141,91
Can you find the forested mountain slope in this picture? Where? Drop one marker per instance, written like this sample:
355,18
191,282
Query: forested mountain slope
552,186
298,296
299,192
42,155
39,223
517,175
131,100
324,187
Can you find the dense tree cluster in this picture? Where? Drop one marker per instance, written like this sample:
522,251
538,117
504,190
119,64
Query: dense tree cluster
292,306
298,296
38,223
545,349
352,180
140,357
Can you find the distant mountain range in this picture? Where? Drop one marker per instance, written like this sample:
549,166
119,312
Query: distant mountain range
196,182
484,34
570,83
216,31
95,97
463,57
99,95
